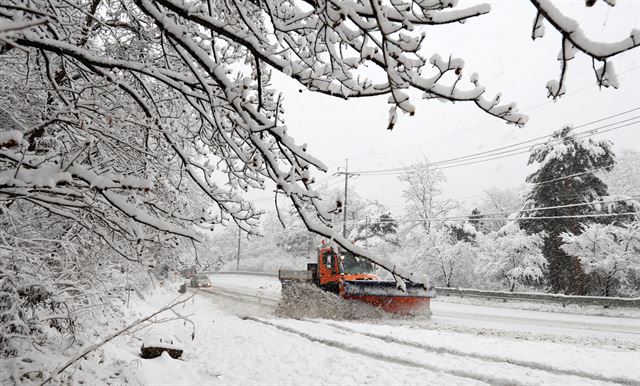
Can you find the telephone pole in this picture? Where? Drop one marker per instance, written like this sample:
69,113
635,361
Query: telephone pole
344,208
238,257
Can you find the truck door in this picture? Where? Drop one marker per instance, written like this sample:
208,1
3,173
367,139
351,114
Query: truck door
328,270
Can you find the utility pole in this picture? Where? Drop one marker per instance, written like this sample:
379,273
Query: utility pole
238,256
344,208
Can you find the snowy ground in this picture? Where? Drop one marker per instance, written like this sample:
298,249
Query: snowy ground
239,341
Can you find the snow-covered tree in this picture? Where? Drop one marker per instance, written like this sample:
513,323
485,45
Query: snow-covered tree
475,219
125,93
567,185
359,209
624,179
512,256
140,120
289,233
609,253
380,235
423,194
497,205
439,254
57,279
465,231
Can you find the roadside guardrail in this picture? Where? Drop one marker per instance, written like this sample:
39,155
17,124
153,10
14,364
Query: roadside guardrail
505,296
251,273
603,301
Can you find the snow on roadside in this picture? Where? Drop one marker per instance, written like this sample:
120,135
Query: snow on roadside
229,350
599,362
102,366
629,312
537,325
468,367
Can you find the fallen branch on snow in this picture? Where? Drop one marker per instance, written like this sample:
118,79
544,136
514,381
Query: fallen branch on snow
93,347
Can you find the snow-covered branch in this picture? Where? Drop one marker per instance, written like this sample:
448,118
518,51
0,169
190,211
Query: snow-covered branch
574,39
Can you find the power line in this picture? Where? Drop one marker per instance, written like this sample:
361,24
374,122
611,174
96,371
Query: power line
497,151
588,171
493,155
327,178
570,175
465,218
585,133
537,209
334,183
484,124
563,206
594,215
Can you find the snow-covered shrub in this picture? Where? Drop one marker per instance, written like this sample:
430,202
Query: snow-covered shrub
609,254
59,285
440,256
16,316
511,257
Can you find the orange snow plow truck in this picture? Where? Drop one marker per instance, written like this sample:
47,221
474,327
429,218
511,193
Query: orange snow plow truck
350,278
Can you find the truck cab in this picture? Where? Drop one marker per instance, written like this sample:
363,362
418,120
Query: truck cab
334,268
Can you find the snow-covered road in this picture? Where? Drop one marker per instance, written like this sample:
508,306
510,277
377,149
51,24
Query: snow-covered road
460,344
479,318
537,322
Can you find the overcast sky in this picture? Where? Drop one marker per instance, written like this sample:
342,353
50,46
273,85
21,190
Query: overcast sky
499,48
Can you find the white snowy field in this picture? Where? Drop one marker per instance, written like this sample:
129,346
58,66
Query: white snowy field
239,341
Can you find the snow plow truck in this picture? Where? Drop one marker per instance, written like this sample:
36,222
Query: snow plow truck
350,278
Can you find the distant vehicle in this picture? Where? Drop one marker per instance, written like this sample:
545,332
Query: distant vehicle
188,273
200,281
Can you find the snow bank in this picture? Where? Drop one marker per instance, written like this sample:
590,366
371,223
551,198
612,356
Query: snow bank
308,301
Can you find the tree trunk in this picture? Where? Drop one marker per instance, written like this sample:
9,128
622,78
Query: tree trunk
565,274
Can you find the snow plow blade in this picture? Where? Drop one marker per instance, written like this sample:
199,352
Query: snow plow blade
414,301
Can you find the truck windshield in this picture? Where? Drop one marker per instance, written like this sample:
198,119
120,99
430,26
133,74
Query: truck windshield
352,265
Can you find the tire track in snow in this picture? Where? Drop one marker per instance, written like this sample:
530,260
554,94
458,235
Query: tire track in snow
488,377
264,301
378,356
484,357
552,324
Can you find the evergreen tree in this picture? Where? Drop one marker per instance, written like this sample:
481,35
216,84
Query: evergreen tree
476,219
566,154
462,232
382,229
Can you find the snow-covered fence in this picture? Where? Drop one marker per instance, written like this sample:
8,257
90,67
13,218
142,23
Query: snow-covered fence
240,273
540,297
